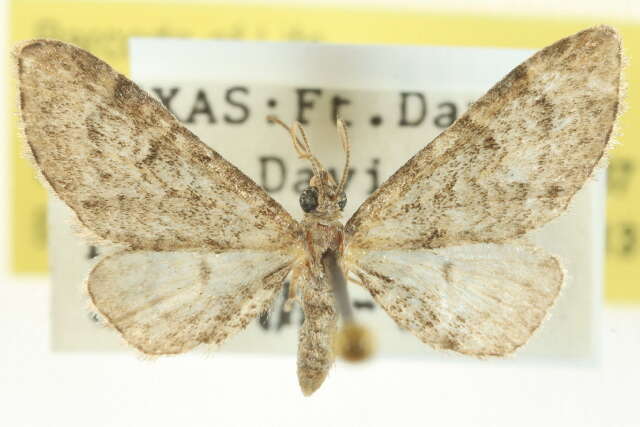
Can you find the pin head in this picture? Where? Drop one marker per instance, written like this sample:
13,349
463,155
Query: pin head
354,343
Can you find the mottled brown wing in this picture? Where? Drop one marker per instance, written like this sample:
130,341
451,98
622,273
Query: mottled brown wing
128,169
169,302
512,162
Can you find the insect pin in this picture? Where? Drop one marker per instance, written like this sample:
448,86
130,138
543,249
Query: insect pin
441,245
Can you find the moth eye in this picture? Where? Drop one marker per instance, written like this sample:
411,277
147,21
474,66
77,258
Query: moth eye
309,199
342,200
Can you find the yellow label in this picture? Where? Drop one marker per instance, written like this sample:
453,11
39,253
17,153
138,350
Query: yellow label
104,27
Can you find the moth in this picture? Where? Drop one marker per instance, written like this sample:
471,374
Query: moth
441,245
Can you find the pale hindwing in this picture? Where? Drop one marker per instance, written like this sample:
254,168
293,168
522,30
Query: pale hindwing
169,302
479,299
512,162
128,169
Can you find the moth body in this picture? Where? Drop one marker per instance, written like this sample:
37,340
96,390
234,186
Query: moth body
316,297
322,239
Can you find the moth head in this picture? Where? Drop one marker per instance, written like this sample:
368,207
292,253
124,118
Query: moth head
323,197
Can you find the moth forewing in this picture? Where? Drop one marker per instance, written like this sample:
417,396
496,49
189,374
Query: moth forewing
512,162
129,170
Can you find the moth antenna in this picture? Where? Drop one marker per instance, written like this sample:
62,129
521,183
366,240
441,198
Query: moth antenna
297,145
344,138
315,163
303,149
